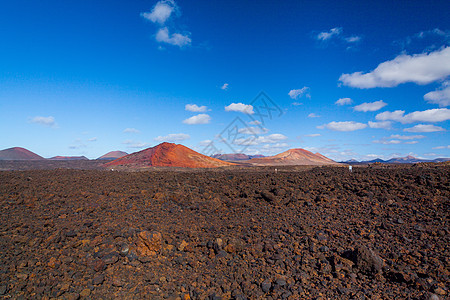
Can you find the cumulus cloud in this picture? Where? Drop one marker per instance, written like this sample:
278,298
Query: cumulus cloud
131,130
440,96
380,125
430,115
253,130
240,107
198,119
313,115
326,35
344,101
268,139
224,86
442,147
45,121
419,68
176,39
370,106
406,137
295,94
196,108
173,137
387,142
256,122
160,12
424,128
135,144
343,126
337,34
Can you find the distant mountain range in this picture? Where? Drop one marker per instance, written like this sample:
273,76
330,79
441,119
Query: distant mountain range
174,155
69,158
396,160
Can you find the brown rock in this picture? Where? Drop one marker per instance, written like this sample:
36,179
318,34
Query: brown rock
148,243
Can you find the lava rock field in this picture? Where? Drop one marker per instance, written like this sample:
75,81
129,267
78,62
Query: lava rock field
318,233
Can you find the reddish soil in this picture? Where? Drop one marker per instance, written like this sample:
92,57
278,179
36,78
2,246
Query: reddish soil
321,233
168,155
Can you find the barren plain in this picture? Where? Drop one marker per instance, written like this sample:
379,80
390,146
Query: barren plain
298,233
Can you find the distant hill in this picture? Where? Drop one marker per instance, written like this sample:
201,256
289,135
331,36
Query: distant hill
18,153
293,157
112,155
397,160
168,155
69,158
235,156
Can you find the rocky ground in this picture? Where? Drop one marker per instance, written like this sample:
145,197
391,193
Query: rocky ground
322,233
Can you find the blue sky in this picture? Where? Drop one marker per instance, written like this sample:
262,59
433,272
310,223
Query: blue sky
348,79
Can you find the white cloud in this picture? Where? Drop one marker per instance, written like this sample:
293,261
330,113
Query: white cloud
406,137
205,143
440,96
344,101
337,33
175,39
326,35
343,126
442,147
240,107
297,103
45,121
419,68
225,86
198,119
256,122
268,139
173,137
94,139
370,106
399,139
353,39
253,130
313,135
135,144
295,94
380,125
160,12
196,108
131,130
430,115
388,142
424,128
313,115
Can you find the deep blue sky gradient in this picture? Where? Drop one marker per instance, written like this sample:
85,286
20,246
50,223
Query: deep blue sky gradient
96,68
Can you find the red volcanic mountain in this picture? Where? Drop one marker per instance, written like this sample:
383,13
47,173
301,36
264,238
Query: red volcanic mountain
113,155
168,155
293,157
18,153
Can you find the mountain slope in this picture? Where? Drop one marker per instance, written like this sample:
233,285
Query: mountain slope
293,157
113,155
18,153
168,155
